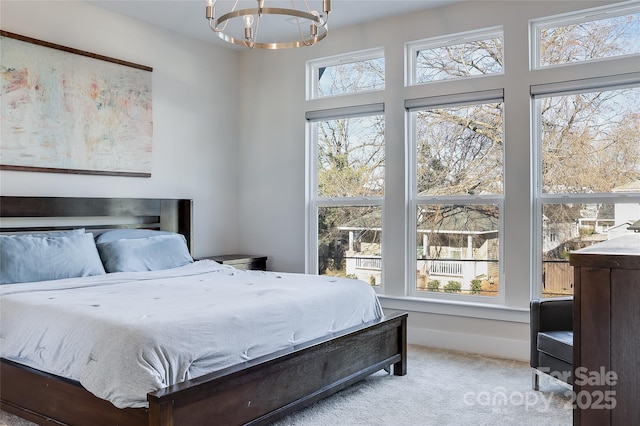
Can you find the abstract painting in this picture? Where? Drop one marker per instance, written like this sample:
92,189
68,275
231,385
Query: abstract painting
69,111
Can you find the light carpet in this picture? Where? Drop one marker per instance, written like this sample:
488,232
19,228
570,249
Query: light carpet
441,388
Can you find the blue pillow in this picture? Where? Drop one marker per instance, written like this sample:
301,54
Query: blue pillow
28,258
126,234
145,254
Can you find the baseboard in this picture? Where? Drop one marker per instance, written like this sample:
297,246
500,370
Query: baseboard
474,343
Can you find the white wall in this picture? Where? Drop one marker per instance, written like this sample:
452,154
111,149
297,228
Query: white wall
272,160
194,114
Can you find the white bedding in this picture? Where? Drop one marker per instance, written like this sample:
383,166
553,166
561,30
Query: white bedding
123,335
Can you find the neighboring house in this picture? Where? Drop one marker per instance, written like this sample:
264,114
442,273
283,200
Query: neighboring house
363,254
460,244
568,228
580,228
575,227
625,214
448,254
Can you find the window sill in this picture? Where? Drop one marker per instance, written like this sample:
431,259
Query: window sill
456,308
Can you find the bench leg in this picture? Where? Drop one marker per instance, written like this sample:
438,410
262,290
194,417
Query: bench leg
535,379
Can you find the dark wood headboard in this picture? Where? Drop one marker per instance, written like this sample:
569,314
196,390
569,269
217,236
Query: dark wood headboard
173,215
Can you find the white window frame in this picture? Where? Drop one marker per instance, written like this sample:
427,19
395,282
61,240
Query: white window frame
540,91
413,47
587,15
313,67
411,106
313,200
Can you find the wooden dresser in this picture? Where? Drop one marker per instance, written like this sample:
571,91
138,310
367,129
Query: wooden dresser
606,321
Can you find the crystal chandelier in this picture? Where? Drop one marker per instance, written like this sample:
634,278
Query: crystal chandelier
243,26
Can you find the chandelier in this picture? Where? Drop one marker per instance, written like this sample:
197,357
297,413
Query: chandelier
264,27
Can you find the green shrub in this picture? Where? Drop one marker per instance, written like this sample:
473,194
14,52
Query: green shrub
453,287
433,285
476,286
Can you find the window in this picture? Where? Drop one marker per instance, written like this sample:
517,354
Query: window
448,215
455,56
599,33
347,191
586,137
346,74
457,192
588,182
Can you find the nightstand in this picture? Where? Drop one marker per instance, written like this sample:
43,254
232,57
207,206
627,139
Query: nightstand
241,261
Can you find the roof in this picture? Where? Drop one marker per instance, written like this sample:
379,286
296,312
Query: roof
448,220
459,220
629,187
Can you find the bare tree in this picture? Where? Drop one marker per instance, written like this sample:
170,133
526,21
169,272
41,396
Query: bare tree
590,141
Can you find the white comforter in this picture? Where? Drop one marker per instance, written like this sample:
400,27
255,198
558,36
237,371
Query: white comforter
123,335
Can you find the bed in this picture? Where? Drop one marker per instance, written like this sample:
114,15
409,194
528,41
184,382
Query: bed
257,390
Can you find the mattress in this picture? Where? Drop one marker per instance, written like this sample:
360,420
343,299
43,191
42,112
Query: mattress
123,335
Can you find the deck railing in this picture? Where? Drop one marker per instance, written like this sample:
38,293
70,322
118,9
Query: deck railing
446,267
369,263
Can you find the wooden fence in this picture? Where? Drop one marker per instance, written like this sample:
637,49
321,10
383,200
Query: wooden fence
557,279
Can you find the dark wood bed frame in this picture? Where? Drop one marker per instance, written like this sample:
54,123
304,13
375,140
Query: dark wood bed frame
256,392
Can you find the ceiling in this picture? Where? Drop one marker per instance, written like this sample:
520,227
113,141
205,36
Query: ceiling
188,16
